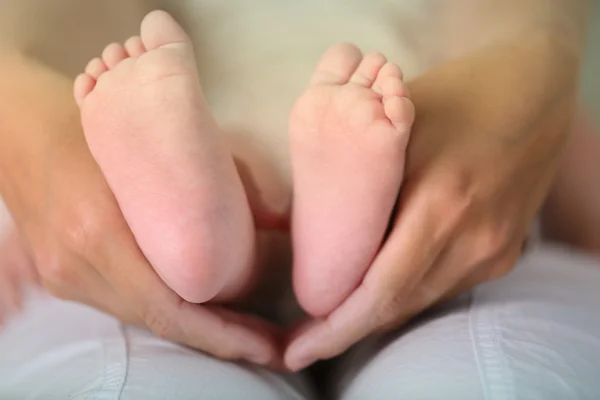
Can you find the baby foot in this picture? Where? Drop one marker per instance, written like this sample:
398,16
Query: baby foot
150,130
16,273
348,136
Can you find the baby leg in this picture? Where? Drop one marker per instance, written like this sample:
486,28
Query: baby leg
150,129
348,136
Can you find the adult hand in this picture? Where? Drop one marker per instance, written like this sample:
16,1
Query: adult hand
489,130
17,273
80,243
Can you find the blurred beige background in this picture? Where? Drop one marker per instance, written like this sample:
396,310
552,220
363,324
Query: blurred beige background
590,83
87,43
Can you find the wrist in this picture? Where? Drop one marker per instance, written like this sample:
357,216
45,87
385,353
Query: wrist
508,86
36,112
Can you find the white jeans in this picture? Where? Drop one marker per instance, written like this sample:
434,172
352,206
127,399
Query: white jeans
532,335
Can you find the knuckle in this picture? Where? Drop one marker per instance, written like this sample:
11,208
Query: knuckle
502,268
85,228
429,292
458,191
501,271
57,273
399,309
55,269
455,198
55,290
385,298
390,308
159,324
493,240
489,242
451,202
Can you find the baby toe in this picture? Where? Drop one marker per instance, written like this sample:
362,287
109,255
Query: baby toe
134,46
368,69
113,54
393,87
82,86
337,65
95,68
389,72
401,112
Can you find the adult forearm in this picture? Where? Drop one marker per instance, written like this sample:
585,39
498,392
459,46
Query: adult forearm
36,108
506,64
66,34
520,94
463,26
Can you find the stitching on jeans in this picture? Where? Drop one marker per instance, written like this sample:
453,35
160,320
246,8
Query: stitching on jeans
108,381
480,369
125,336
494,372
94,394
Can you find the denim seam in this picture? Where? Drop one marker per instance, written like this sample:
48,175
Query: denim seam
116,367
125,374
495,375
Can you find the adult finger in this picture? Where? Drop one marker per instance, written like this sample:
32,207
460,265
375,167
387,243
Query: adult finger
413,245
10,284
14,250
10,292
125,268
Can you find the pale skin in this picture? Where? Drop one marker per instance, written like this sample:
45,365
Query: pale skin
487,202
80,247
176,183
348,138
